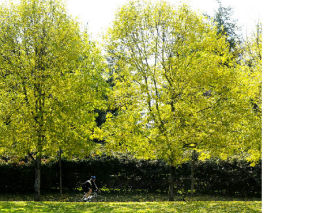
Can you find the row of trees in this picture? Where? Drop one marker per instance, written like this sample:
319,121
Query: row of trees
167,83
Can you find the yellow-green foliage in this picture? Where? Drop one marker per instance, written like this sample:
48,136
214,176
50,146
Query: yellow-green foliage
195,206
177,86
49,80
251,68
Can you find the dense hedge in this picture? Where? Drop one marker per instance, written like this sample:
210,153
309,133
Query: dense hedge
218,177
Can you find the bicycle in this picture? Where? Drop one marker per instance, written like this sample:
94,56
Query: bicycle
90,198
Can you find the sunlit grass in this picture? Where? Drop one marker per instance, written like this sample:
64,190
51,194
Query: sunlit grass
194,206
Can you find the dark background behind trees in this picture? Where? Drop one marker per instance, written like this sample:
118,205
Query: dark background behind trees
232,178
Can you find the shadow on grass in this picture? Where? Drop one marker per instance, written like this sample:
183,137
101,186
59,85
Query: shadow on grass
123,197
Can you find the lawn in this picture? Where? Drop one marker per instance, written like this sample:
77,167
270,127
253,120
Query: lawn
123,197
194,206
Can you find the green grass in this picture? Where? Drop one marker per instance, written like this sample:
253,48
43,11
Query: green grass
194,206
123,197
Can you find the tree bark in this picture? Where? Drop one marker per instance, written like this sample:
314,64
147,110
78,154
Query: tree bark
37,177
60,171
193,159
171,184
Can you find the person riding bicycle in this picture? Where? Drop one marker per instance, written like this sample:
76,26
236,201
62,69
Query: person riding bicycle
89,186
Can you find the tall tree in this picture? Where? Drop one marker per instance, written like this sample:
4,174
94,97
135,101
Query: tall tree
251,67
227,25
176,86
51,82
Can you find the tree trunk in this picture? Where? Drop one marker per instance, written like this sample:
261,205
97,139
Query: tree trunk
60,172
193,159
171,184
37,177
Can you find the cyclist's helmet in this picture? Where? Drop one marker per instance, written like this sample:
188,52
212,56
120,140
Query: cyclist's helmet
93,177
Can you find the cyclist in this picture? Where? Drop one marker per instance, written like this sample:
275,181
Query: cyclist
88,187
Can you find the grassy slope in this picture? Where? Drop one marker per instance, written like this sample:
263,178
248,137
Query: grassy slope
195,206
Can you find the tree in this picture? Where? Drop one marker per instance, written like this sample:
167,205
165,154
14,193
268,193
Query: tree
177,86
251,66
227,25
51,82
